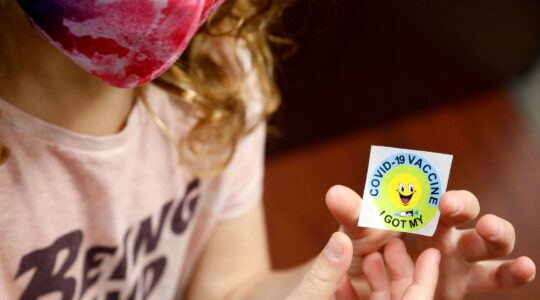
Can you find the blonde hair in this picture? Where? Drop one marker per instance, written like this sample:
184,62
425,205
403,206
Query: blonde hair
208,80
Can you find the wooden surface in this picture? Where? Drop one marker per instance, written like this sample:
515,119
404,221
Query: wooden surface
494,157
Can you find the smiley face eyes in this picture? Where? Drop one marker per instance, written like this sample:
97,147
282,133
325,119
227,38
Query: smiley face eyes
402,188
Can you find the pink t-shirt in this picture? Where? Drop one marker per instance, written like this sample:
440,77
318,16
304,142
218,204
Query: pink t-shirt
112,217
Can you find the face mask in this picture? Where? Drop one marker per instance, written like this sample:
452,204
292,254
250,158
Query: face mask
126,43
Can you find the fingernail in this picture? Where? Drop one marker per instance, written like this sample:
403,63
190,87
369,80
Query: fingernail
497,233
334,249
457,208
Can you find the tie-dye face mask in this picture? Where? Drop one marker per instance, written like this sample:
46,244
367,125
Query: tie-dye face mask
126,43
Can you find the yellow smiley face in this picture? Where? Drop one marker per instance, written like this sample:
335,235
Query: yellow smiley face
404,191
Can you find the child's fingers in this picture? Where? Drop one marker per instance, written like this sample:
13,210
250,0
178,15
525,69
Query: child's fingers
400,266
344,204
376,276
398,260
492,275
345,290
458,208
426,276
493,237
426,271
324,277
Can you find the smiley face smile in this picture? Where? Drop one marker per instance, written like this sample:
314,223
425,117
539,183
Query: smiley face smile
405,198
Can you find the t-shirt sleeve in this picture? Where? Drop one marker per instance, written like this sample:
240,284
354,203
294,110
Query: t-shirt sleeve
241,183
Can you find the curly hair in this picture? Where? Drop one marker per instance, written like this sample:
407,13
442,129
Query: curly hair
211,86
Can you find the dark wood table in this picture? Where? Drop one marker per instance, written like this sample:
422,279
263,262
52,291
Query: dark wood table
495,157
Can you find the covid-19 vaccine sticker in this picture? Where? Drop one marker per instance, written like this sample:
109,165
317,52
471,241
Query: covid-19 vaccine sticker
403,189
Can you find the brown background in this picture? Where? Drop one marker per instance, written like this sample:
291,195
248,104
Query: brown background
363,62
414,74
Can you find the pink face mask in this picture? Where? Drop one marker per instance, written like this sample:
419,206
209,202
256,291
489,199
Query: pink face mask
126,43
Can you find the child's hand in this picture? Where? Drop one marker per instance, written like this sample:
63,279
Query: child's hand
405,281
327,272
466,264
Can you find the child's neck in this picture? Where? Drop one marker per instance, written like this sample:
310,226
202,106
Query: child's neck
43,82
73,100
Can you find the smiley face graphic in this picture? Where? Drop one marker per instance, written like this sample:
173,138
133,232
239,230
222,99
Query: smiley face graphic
404,191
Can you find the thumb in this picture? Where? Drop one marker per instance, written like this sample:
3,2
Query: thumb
324,276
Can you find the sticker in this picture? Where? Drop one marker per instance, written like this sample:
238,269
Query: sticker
403,189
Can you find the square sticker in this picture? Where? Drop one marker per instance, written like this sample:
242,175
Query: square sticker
403,189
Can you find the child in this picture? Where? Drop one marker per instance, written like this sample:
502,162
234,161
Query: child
154,192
